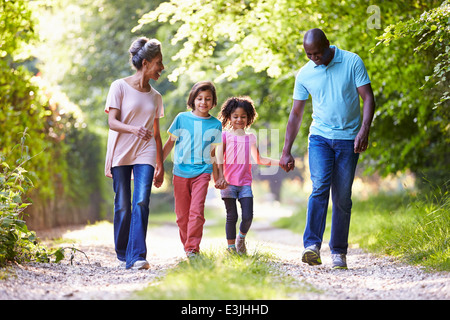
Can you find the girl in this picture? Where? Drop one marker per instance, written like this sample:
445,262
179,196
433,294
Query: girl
238,114
135,150
195,135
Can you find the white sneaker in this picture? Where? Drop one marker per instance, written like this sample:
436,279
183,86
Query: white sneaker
140,264
122,265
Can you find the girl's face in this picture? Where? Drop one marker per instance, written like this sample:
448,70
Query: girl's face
238,119
203,102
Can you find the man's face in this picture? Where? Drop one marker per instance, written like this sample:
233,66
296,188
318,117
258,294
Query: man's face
317,53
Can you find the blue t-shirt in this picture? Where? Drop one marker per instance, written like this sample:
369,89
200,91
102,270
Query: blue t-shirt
335,99
192,155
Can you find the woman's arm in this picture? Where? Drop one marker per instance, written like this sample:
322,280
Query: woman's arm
159,174
116,125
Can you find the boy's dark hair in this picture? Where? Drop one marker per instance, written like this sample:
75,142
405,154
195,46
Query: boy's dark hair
232,104
197,88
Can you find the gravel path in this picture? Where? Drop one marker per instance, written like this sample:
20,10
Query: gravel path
369,277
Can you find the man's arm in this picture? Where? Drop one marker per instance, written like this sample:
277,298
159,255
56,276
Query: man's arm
362,138
294,122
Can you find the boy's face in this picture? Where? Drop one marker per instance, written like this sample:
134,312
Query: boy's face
203,103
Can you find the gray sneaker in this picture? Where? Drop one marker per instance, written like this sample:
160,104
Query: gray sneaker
121,264
140,265
311,255
231,250
240,245
339,261
192,255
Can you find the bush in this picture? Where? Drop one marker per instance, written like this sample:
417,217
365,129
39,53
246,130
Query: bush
17,243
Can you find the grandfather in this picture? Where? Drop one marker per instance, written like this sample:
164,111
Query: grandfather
335,79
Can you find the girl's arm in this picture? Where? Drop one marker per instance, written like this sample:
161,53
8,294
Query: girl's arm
217,160
263,160
159,174
116,125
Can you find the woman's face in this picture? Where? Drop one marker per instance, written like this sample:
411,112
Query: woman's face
154,68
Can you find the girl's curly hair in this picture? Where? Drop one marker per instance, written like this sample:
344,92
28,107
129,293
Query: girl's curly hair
232,104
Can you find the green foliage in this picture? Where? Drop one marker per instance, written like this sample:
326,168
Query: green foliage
431,32
22,106
66,166
229,36
17,243
411,123
258,45
84,47
16,27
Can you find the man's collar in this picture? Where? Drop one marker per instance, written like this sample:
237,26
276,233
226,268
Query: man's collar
337,55
336,59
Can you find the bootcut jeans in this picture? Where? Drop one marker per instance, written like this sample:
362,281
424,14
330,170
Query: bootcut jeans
332,166
131,220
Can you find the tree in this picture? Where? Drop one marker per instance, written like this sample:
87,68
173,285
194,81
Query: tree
230,37
54,126
416,100
84,48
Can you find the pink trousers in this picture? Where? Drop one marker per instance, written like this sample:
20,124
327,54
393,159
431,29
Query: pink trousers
190,195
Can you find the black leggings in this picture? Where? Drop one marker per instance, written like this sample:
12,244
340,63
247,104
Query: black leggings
232,216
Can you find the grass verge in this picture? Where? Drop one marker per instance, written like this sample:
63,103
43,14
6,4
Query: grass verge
223,276
414,228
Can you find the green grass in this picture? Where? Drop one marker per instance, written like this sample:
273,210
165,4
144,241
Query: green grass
223,276
418,232
414,228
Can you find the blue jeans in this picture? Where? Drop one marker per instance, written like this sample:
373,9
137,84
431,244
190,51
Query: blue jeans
332,166
130,222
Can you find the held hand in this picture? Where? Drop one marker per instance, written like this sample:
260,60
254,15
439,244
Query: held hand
143,133
221,183
287,162
158,179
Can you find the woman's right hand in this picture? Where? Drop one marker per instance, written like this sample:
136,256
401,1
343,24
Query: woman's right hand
143,133
116,125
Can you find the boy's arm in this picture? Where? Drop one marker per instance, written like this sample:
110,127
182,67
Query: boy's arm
217,160
168,146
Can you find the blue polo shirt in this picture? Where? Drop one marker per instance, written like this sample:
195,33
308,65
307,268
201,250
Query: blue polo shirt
194,137
335,99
